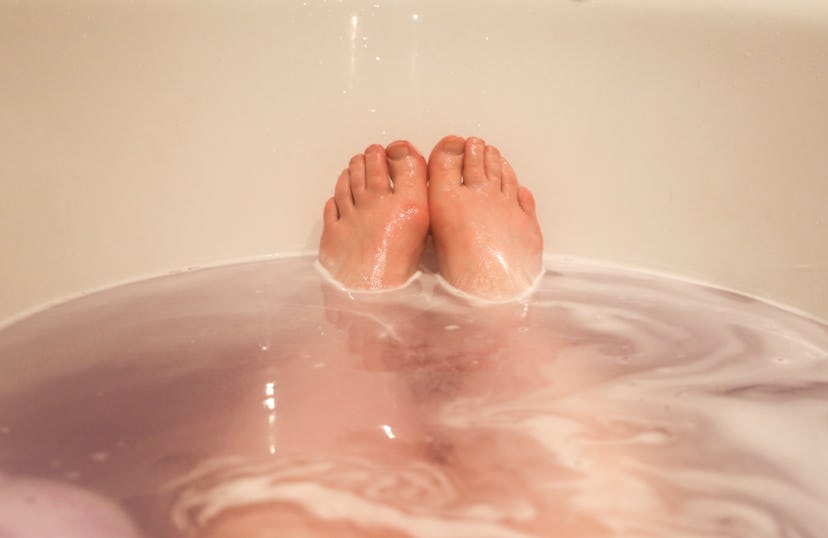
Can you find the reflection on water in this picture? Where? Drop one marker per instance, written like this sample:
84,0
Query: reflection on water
238,401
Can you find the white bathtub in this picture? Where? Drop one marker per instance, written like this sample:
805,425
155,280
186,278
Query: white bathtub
682,136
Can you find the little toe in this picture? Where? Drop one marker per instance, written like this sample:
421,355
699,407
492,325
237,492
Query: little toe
376,170
330,213
508,179
356,171
342,193
526,201
407,168
474,163
445,164
494,166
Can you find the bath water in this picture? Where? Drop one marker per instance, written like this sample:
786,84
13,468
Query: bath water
257,401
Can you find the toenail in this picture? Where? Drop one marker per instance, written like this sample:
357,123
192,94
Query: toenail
397,152
454,146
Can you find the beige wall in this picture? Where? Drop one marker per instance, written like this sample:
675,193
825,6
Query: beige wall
137,138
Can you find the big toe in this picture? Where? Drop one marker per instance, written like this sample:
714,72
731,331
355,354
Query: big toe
445,165
407,168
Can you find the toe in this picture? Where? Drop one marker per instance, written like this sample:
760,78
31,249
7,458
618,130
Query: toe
526,201
474,163
508,179
330,214
356,171
445,165
407,168
376,170
494,166
342,193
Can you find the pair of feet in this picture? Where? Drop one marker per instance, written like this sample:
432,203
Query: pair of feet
482,222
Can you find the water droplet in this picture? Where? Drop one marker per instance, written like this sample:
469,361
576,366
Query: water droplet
451,327
415,16
99,456
377,58
264,347
653,438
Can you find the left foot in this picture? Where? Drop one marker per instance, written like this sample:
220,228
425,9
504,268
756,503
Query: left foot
374,229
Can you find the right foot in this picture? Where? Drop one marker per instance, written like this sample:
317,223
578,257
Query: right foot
485,231
374,230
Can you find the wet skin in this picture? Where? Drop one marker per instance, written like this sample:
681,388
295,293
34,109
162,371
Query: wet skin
485,230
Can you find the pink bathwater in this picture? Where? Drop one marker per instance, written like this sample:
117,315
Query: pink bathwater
258,401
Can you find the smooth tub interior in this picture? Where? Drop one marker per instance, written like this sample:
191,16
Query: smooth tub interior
148,137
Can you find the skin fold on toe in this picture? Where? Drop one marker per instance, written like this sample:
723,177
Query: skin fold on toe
376,224
486,233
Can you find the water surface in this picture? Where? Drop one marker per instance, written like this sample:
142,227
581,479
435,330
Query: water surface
238,400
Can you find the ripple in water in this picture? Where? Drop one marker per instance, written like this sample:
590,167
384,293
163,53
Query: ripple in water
247,400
